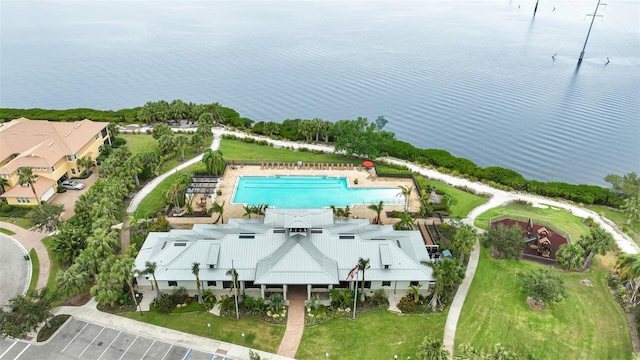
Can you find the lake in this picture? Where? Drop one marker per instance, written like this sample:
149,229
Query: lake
476,78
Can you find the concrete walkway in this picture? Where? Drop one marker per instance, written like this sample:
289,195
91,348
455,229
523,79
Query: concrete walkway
295,328
32,240
89,313
458,301
146,190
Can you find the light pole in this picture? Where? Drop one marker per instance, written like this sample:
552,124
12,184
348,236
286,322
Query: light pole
209,326
243,339
327,354
395,357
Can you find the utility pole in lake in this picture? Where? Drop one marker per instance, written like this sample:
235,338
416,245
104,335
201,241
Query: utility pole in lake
593,17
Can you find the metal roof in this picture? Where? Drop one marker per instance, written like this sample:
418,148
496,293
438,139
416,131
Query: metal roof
385,254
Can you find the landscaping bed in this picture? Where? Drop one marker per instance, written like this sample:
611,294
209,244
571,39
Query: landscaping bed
56,322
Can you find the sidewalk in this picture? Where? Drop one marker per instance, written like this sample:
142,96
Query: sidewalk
90,314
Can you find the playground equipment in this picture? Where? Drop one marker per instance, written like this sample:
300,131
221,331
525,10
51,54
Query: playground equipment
542,243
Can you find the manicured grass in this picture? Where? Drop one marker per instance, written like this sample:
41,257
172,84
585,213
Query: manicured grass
7,231
561,218
172,162
138,143
375,335
22,222
588,324
462,202
238,150
156,199
620,219
55,265
35,266
258,334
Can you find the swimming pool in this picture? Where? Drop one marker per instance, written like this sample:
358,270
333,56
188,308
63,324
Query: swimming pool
308,192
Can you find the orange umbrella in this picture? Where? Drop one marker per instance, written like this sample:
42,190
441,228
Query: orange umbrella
367,164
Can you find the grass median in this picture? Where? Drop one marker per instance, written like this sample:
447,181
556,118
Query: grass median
258,334
35,269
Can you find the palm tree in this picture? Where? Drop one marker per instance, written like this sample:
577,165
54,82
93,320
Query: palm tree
218,208
195,270
407,222
234,276
171,193
72,280
431,349
150,268
628,266
27,177
599,241
86,162
212,159
363,265
414,291
464,239
133,165
378,209
104,242
122,270
248,210
631,207
447,273
181,143
197,141
405,191
570,256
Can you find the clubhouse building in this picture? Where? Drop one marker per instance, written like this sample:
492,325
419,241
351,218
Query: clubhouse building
50,149
305,250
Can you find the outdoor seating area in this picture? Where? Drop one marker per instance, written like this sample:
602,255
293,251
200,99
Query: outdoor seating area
309,166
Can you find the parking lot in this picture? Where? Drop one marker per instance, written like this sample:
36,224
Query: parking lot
81,340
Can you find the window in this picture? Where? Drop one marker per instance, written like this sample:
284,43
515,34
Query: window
212,266
367,284
173,283
100,148
386,266
212,283
79,169
246,236
415,283
69,157
97,136
278,231
386,283
23,200
73,171
346,236
227,284
53,169
251,285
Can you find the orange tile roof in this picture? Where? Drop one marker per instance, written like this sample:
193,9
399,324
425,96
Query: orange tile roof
42,143
41,185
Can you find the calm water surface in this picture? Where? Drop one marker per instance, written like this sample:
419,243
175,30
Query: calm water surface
476,78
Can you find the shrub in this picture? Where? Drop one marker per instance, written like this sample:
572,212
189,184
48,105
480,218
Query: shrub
180,295
165,304
543,284
117,142
407,304
380,298
62,190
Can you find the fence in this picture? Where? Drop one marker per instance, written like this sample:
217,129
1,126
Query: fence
535,221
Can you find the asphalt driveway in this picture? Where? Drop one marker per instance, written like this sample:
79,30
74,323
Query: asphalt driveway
14,269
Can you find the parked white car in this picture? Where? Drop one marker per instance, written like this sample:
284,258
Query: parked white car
72,185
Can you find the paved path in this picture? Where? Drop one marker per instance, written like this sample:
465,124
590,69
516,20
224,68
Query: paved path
32,240
458,301
146,190
295,328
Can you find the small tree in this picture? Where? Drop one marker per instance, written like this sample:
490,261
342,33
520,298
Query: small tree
599,241
464,239
25,313
46,217
195,269
378,209
506,241
543,284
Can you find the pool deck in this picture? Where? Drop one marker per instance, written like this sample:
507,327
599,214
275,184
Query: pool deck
230,179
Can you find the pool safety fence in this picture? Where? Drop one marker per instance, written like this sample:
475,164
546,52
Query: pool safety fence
525,219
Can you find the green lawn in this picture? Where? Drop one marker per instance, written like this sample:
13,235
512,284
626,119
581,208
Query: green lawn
375,335
258,334
589,324
7,231
619,219
35,266
22,222
239,150
561,218
156,199
55,265
138,143
462,202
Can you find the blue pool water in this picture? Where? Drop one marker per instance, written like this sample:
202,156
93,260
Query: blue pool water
302,192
